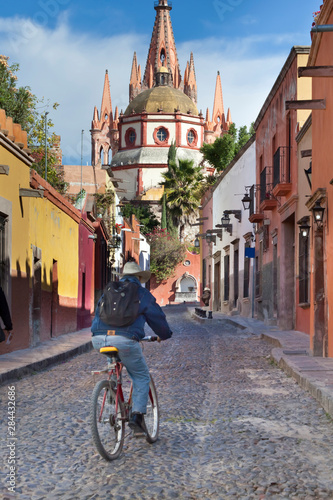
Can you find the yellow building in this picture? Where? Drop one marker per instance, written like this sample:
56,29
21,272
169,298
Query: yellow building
46,256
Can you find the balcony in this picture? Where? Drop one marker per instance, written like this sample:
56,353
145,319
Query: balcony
281,172
255,216
267,201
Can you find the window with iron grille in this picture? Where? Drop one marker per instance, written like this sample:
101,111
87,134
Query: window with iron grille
303,264
246,282
263,185
226,276
281,165
252,200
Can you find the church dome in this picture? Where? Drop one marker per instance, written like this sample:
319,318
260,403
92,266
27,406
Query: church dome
164,99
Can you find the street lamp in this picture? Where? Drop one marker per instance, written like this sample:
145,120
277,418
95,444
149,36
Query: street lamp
318,214
225,221
304,227
246,201
197,243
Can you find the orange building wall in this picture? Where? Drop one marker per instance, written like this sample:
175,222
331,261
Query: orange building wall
322,154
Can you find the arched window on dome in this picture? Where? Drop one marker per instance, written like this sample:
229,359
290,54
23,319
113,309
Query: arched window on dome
130,137
161,136
192,138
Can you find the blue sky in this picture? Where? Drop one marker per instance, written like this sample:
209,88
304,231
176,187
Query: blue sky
63,48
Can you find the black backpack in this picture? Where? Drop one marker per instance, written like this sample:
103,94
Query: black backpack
119,304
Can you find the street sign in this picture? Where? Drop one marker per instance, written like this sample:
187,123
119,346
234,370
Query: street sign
250,252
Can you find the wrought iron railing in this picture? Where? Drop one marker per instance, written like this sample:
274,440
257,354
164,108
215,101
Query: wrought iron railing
281,165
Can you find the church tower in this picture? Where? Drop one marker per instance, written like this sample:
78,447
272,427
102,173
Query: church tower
162,50
219,125
131,137
104,129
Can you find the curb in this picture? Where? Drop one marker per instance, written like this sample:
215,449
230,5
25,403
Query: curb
41,364
308,383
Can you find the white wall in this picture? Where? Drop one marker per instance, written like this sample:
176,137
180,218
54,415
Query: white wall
228,195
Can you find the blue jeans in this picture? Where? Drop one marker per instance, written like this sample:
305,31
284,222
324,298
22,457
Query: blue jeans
130,353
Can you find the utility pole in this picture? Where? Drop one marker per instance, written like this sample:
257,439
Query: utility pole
46,113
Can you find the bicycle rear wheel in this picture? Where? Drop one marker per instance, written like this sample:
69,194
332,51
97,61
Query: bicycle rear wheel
152,416
107,427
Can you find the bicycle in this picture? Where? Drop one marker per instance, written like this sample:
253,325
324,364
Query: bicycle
110,411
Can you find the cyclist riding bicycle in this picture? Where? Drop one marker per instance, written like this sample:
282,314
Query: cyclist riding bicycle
126,340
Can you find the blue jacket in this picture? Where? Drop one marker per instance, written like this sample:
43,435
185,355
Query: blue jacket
149,311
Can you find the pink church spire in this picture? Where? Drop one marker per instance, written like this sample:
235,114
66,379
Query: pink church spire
190,82
162,50
106,107
218,108
135,80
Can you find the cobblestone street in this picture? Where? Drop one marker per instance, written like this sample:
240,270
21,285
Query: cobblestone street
233,425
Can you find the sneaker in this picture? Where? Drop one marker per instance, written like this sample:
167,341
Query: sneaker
137,424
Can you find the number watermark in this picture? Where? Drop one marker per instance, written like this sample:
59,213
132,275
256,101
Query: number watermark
11,439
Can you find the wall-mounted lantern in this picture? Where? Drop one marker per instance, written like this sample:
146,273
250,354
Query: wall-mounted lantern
197,243
210,238
225,221
304,228
318,214
246,201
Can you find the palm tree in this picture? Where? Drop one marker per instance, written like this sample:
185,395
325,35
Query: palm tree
183,189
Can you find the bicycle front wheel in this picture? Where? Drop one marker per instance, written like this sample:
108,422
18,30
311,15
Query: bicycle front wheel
152,417
107,426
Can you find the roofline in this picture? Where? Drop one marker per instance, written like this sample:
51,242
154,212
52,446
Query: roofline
295,50
15,150
325,12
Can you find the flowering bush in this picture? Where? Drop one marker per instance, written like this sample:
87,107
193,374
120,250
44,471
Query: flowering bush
315,17
166,252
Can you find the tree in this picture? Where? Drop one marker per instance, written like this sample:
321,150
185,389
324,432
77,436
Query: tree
183,189
20,104
224,149
166,252
164,213
144,214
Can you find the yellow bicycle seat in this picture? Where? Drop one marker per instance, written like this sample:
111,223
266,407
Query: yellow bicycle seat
108,350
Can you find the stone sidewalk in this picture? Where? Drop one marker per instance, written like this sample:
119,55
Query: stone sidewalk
290,351
23,362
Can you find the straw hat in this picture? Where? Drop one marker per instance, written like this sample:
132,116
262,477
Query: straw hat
133,269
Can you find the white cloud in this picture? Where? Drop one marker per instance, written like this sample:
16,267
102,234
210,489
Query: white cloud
68,67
